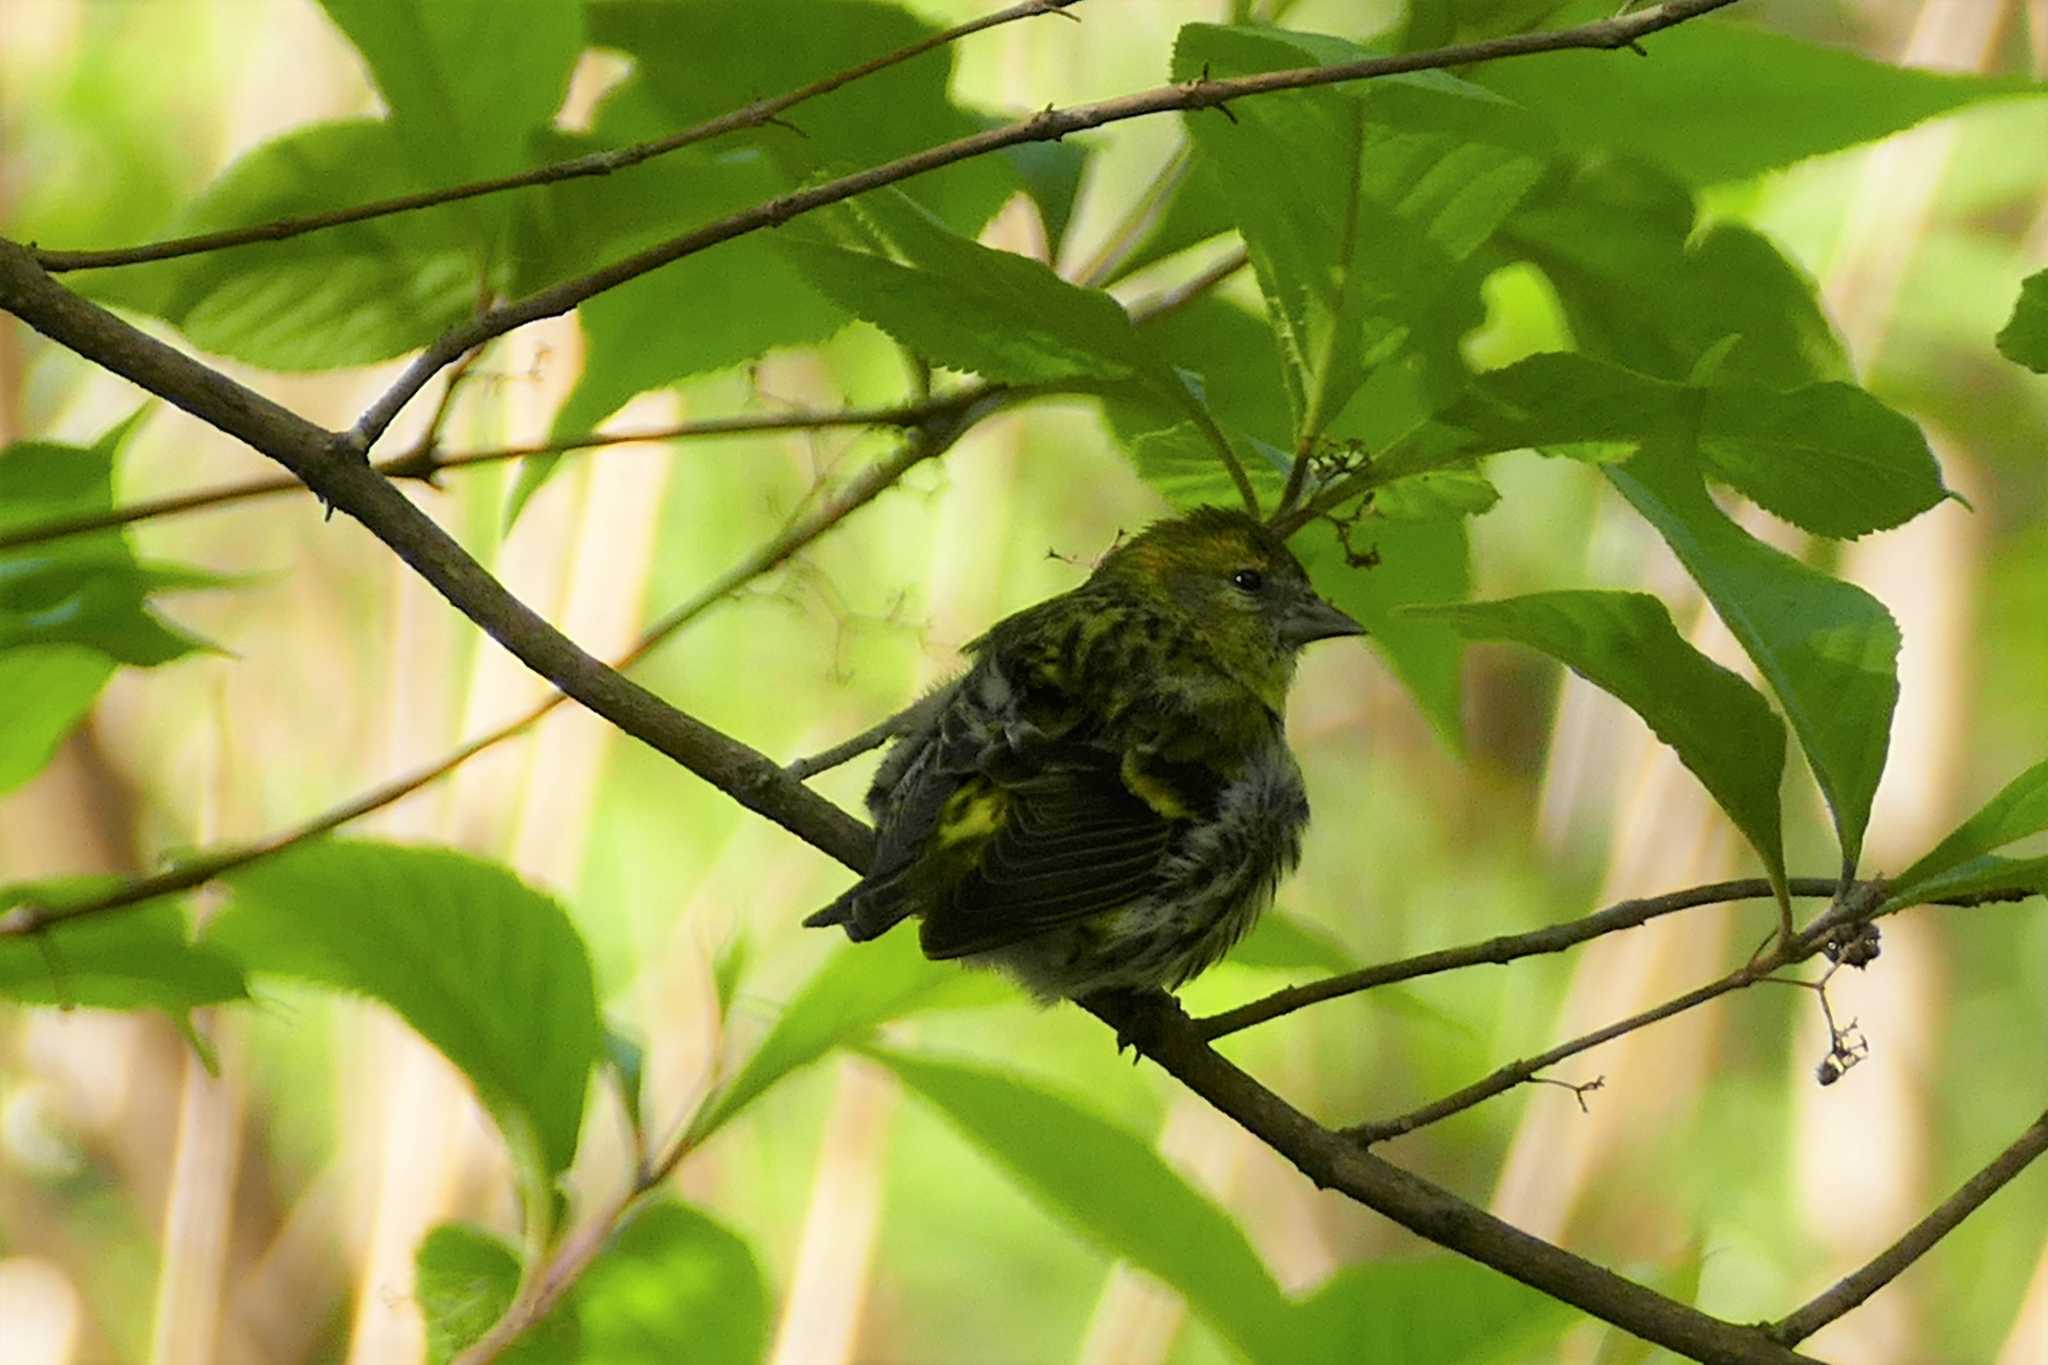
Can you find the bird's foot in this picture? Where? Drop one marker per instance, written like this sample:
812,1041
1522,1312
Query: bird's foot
1139,1017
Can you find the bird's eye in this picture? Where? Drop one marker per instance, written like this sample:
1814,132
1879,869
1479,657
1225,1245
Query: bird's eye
1247,580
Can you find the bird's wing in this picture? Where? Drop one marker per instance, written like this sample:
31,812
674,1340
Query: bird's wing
1072,839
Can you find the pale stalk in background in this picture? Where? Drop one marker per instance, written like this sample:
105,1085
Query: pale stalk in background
1863,1146
821,1322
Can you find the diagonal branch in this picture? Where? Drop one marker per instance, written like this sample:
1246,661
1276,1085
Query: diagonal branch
1049,125
758,114
327,464
1854,1288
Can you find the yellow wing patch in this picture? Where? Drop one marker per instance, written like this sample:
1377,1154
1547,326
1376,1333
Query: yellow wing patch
972,813
1163,799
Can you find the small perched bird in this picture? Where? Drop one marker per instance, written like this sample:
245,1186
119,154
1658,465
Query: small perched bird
1105,800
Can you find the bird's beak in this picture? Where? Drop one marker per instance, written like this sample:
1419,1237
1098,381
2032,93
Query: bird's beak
1312,619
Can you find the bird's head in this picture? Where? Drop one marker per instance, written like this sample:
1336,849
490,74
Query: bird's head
1240,590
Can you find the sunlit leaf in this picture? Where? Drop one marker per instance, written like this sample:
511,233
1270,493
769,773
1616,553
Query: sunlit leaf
482,966
466,1279
137,957
1725,101
1356,203
673,1285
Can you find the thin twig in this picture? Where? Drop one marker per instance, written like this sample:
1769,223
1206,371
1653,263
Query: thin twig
1506,948
758,114
1050,124
1858,903
1854,1288
426,464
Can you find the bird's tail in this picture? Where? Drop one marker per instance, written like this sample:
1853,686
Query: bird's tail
866,910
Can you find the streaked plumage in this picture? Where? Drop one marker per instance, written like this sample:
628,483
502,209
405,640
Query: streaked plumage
1105,799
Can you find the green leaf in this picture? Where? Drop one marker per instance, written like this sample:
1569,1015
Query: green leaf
1624,643
1116,1190
1599,230
1281,941
1430,1311
1419,561
49,690
1436,496
1181,466
482,966
1356,204
885,115
139,957
857,990
673,1285
344,296
1985,873
71,609
1826,457
466,1279
2017,811
1828,649
2024,340
1726,101
966,306
466,80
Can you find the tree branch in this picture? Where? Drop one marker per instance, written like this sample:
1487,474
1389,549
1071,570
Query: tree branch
1552,938
1172,1040
1048,125
755,115
1854,1288
328,465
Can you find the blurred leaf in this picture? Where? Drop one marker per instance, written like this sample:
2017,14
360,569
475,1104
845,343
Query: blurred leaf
482,966
1828,649
710,57
466,80
139,957
1987,872
1114,1188
1624,643
673,1285
2017,811
1437,1310
1600,230
466,1280
1282,941
347,295
49,689
71,609
1420,561
670,1285
1828,458
1726,101
858,989
1356,204
2024,340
